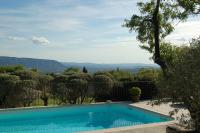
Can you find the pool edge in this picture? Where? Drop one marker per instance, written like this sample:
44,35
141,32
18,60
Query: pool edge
117,129
57,106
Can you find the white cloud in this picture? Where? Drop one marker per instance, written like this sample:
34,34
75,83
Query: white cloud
184,32
63,24
14,38
88,30
39,40
34,39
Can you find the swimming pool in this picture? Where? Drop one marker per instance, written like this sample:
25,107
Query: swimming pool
75,118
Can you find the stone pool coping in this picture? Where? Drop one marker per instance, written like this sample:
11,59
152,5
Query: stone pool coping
130,128
52,106
57,106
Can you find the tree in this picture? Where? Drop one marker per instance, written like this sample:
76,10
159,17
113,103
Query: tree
8,90
34,69
77,90
45,86
103,83
122,75
71,70
28,91
149,74
190,6
104,73
78,87
11,69
85,70
183,86
71,89
83,76
59,88
26,74
18,87
156,22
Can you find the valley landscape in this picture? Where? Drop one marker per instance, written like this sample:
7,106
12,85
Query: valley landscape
45,65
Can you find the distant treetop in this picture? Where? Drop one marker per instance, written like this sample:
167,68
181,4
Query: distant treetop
85,70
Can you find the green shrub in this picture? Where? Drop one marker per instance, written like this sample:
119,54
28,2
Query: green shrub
135,91
103,85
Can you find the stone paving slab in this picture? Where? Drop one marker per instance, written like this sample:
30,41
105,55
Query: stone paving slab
155,129
163,108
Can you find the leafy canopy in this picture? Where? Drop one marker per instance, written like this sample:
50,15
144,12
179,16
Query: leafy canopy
71,70
183,85
170,11
122,75
10,69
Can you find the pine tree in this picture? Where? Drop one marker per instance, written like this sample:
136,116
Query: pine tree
85,70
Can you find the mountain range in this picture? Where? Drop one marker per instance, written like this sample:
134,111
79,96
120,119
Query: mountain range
46,65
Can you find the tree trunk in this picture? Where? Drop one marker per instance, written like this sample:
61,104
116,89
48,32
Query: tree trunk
156,22
29,103
4,102
45,101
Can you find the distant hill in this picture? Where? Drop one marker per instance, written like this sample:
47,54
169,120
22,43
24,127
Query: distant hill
40,64
92,67
45,65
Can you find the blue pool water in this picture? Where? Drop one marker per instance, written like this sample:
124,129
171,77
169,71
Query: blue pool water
75,118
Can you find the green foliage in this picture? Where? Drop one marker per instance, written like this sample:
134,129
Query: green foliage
59,88
147,74
45,86
26,74
122,75
10,69
78,87
26,88
77,90
8,90
183,85
34,69
71,70
22,87
16,92
190,6
83,76
60,78
71,89
103,83
170,10
44,79
156,21
135,91
104,73
170,52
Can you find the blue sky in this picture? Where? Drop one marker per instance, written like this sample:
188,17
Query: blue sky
77,30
